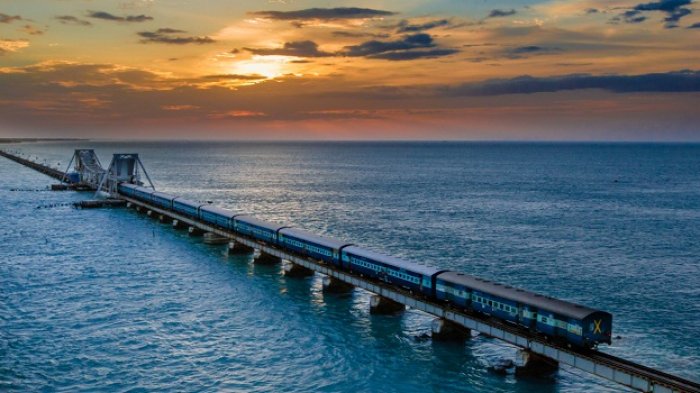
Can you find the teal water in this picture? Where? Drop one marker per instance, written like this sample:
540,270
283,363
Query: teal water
107,300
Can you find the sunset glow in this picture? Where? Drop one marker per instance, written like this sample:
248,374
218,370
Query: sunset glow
580,69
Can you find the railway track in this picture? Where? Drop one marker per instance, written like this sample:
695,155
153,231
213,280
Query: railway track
674,382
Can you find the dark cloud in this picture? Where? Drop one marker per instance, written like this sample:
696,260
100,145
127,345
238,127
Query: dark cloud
694,26
357,34
245,77
374,47
681,81
323,14
173,37
530,50
32,30
405,27
294,48
590,11
4,18
410,47
674,9
128,18
72,20
501,13
414,54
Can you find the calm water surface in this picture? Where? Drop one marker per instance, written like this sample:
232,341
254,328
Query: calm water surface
113,301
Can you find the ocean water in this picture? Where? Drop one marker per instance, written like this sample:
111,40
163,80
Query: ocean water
108,300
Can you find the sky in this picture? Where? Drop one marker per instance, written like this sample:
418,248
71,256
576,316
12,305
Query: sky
581,70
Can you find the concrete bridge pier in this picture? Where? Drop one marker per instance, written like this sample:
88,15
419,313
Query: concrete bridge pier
129,205
150,213
333,285
238,249
297,271
213,238
382,305
139,209
262,258
177,224
444,330
529,363
164,219
194,231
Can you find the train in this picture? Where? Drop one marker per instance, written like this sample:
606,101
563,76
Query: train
556,320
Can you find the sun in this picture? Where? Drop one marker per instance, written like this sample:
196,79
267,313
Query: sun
267,66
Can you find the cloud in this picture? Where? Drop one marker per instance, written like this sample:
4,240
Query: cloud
405,27
294,48
32,30
410,47
7,46
4,18
374,47
680,81
674,9
358,34
414,54
497,13
128,18
521,52
323,14
243,77
173,37
694,26
72,20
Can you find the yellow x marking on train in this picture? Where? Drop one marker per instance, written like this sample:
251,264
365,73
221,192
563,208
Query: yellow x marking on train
597,328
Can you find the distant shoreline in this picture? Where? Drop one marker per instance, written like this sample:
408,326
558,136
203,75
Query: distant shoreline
24,140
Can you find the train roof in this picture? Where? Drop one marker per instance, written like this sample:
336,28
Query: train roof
255,221
219,210
310,237
163,195
556,306
144,189
187,202
393,261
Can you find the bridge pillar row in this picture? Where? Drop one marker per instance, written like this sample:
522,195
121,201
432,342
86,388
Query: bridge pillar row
235,248
214,238
297,271
444,330
382,305
194,231
529,363
333,285
262,258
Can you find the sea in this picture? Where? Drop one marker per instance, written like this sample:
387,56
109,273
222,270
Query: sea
110,300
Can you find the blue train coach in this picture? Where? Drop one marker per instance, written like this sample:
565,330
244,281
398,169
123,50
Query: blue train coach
257,229
186,207
217,216
127,189
163,200
573,323
409,275
314,246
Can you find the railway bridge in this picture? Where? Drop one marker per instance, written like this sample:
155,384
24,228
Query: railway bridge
124,167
